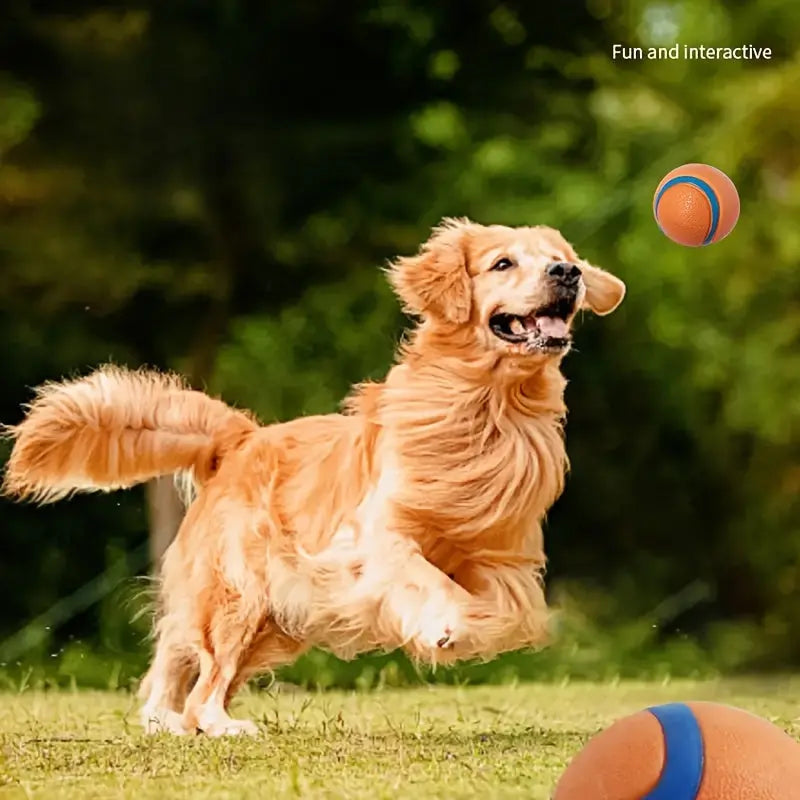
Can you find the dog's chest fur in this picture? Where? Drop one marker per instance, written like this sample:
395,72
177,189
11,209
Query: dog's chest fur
473,462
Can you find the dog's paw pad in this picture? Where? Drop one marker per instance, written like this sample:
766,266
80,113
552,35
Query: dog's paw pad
446,642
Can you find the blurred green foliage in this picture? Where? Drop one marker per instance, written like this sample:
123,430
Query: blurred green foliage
211,186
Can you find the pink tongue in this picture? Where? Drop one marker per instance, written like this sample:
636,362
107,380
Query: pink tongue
552,327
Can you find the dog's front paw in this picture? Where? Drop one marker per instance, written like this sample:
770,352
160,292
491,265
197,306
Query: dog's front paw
440,631
438,635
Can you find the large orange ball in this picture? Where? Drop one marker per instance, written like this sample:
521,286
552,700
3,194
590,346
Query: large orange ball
696,204
686,751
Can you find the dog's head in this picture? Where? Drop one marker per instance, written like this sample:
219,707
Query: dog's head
518,289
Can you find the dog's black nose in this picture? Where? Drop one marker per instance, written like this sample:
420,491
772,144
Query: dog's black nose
564,273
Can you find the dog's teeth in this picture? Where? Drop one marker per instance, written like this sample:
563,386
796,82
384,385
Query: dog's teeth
517,326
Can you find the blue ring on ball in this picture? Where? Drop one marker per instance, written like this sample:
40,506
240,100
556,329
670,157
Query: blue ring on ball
684,753
706,189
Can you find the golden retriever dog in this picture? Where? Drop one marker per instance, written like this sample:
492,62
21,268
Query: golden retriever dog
412,519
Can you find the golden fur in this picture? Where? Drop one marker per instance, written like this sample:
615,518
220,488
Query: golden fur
413,519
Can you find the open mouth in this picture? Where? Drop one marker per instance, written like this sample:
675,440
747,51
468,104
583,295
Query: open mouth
546,329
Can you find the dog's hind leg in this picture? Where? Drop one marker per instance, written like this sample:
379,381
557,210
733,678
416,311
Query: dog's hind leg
228,637
271,648
168,682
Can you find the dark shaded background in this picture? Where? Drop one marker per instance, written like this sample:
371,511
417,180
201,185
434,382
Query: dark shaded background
212,187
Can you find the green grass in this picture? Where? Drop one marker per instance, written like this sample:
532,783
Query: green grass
434,742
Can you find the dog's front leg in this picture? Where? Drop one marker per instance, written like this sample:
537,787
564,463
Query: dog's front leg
418,606
507,610
379,591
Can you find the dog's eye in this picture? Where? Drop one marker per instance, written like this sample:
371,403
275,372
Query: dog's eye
502,264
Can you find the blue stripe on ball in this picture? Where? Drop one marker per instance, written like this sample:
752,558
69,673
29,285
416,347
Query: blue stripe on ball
683,753
706,189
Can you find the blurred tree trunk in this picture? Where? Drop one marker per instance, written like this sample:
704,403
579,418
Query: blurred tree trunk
165,511
235,246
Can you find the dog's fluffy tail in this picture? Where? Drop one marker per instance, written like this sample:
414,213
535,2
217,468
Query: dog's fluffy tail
115,428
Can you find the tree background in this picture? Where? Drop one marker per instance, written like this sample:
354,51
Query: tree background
211,186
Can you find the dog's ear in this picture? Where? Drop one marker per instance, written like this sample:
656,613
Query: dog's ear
604,291
435,282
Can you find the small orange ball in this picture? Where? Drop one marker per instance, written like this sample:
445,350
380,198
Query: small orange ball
696,205
686,751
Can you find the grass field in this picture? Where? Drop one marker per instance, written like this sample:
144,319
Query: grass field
438,742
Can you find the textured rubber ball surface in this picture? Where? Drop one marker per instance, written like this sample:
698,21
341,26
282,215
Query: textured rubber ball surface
696,205
686,751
